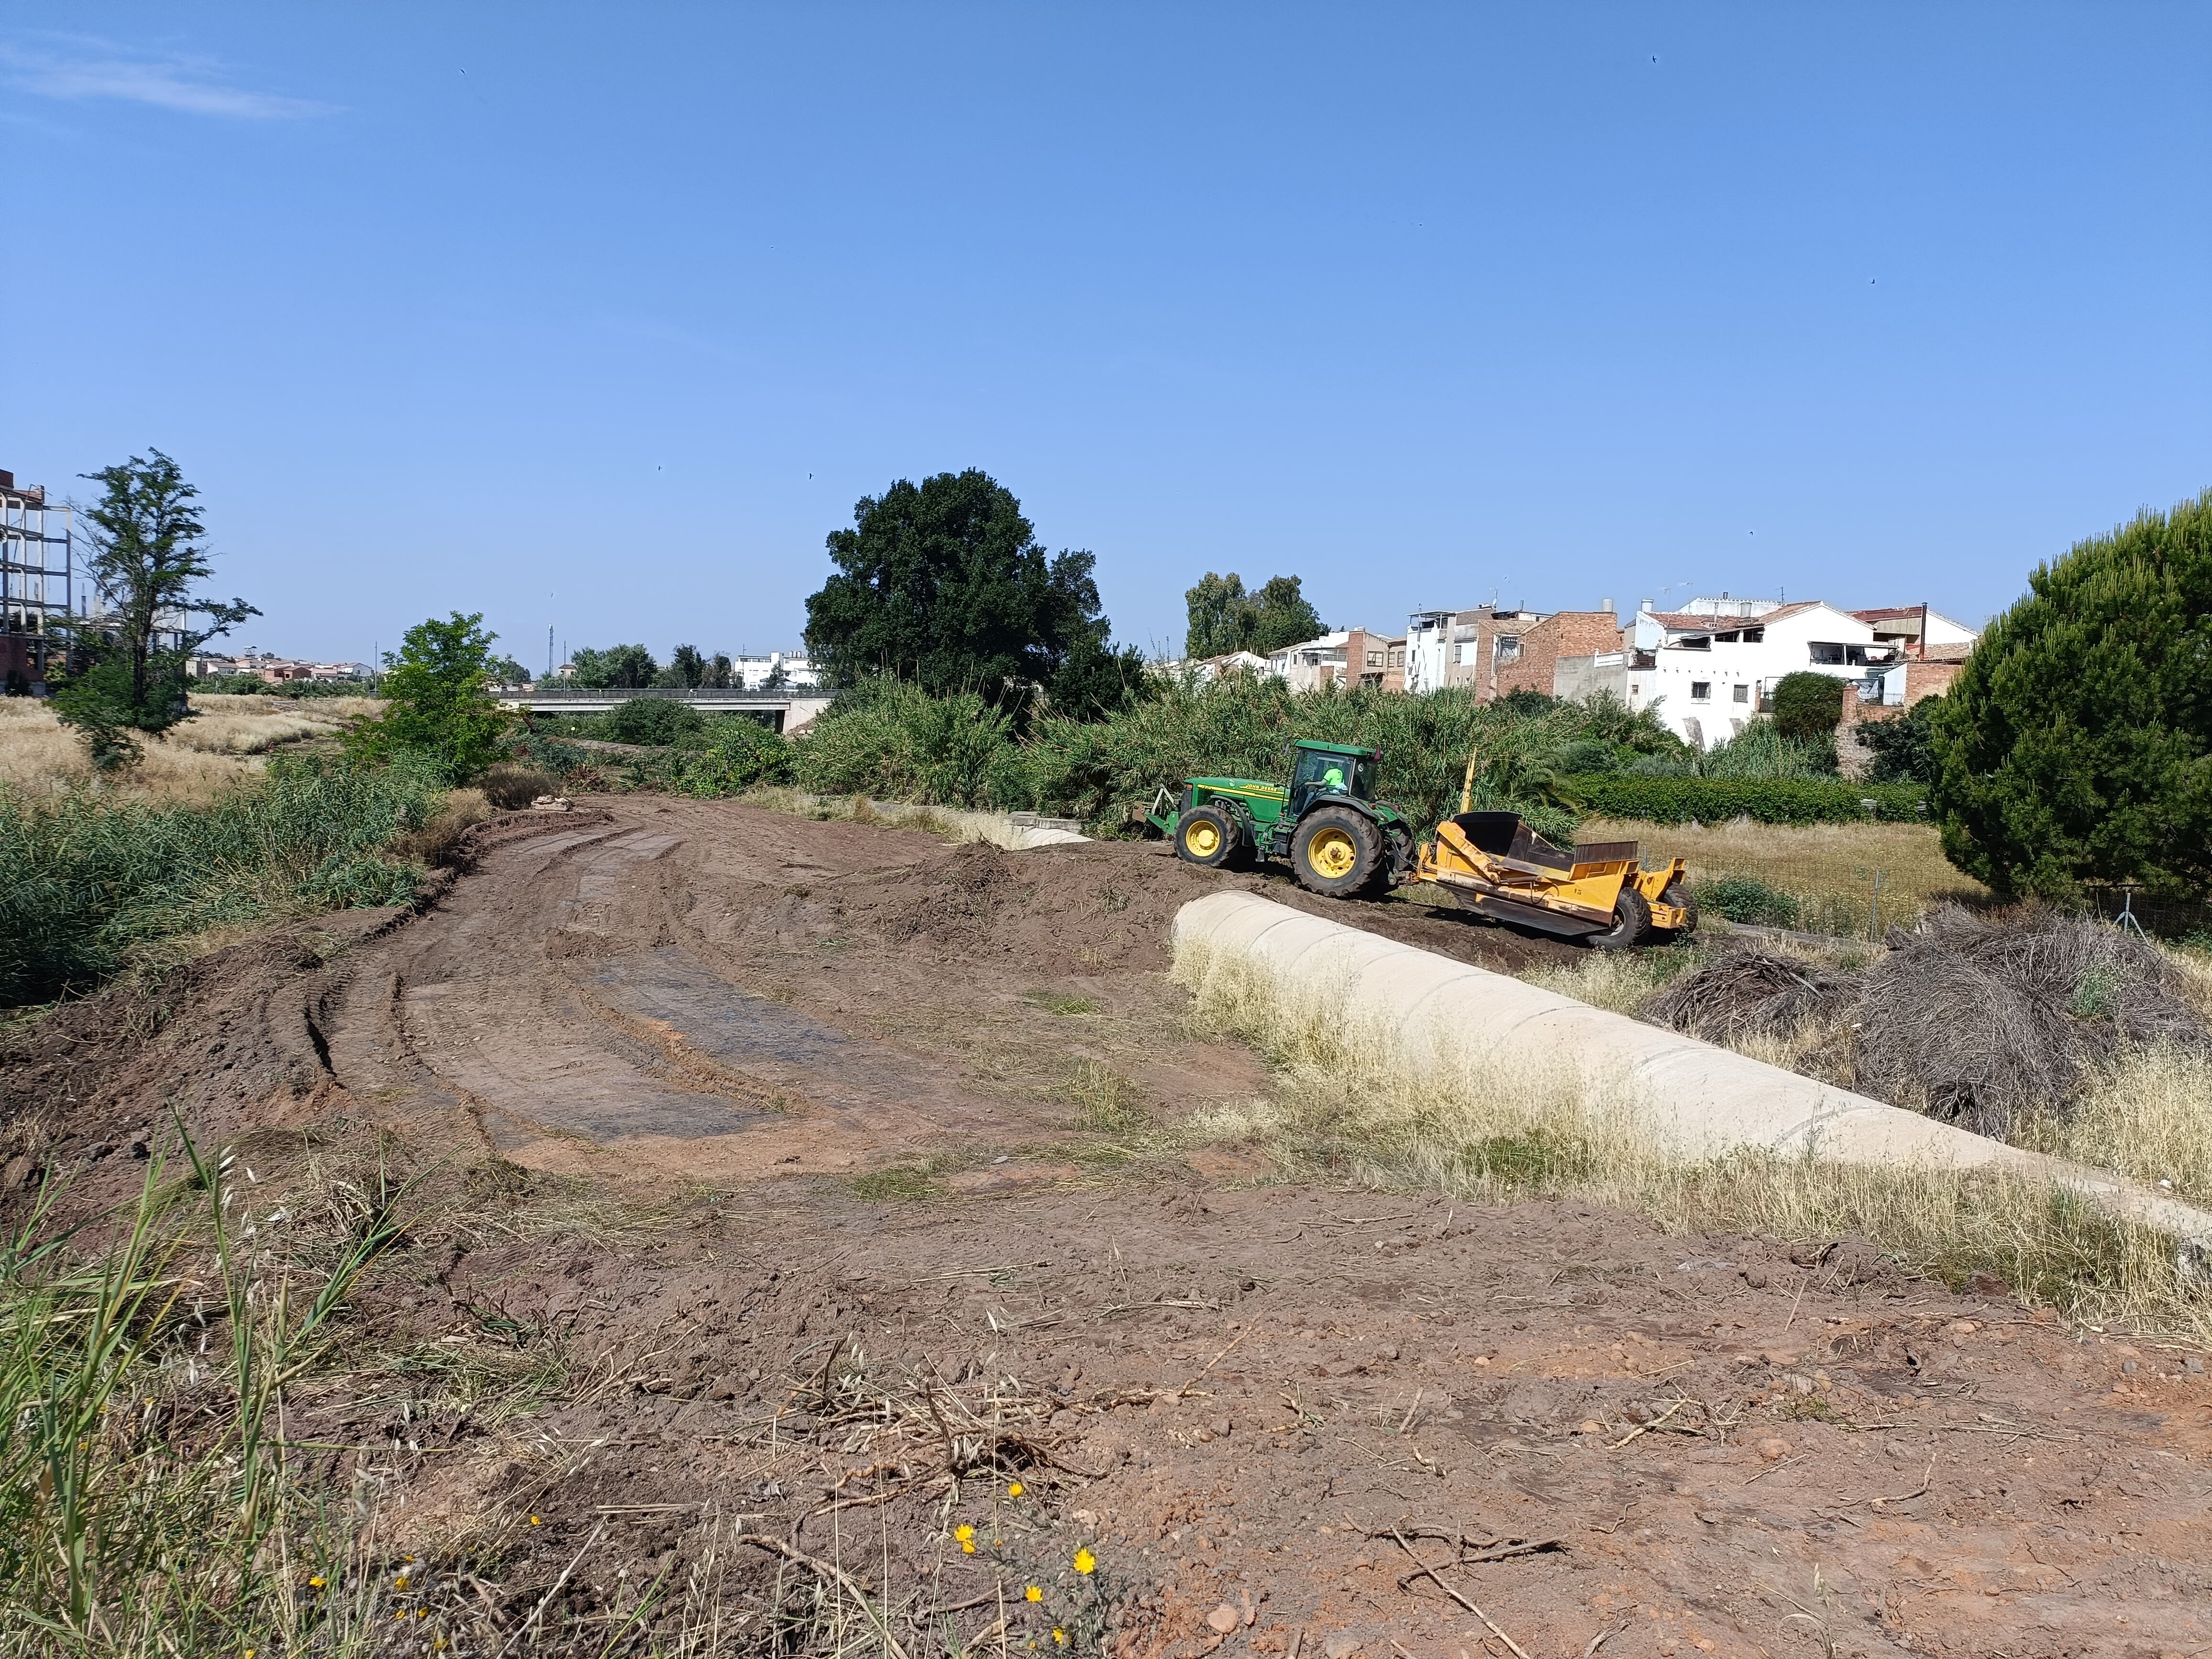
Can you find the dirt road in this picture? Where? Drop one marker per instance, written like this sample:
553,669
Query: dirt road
780,1190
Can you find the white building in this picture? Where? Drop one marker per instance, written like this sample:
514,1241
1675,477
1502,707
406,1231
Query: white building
1710,667
1434,641
1207,670
753,673
1312,664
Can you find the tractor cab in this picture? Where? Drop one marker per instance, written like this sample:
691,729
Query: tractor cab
1330,768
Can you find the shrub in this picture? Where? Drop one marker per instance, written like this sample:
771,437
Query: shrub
1763,750
890,737
1750,900
1904,745
740,754
1765,800
1807,705
437,704
653,721
511,787
2075,746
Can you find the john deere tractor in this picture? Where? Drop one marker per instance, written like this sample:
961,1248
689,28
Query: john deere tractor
1341,842
1337,838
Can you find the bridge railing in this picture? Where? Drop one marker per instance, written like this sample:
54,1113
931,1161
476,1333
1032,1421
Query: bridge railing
667,693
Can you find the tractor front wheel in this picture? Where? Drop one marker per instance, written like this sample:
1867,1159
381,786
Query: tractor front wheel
1631,923
1208,837
1681,899
1336,852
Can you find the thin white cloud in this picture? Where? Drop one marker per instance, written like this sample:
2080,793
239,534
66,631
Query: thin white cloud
191,86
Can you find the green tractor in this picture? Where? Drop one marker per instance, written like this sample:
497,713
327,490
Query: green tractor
1339,840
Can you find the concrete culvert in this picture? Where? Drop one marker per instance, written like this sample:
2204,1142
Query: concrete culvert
1682,1099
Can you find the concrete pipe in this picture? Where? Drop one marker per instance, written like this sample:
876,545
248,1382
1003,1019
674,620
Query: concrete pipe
1690,1099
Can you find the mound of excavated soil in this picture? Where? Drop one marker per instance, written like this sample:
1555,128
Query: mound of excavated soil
639,1056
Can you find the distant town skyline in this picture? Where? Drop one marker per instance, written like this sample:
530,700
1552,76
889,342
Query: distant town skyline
605,320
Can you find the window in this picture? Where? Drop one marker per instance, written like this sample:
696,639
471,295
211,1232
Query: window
1701,690
1695,642
1743,694
1509,648
1375,660
1318,768
1823,651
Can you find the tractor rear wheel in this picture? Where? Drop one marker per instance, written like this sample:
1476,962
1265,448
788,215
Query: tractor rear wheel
1631,923
1336,852
1208,837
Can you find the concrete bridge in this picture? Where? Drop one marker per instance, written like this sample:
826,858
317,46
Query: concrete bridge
788,711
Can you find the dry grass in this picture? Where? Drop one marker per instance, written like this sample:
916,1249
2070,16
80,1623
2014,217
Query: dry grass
433,842
191,762
39,753
248,726
1620,980
1828,868
327,711
1347,1101
2148,1115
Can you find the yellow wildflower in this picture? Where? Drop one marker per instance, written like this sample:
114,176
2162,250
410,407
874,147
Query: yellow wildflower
400,1583
1085,1562
1014,1489
966,1548
963,1532
1034,1592
317,1582
1059,1636
533,1520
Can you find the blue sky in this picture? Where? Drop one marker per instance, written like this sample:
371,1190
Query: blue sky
603,317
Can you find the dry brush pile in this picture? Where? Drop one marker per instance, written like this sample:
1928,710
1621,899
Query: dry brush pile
2000,1024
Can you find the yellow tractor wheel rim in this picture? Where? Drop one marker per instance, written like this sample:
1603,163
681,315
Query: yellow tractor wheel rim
1333,854
1202,840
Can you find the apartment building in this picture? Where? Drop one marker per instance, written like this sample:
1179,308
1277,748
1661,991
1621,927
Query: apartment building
1497,651
1711,666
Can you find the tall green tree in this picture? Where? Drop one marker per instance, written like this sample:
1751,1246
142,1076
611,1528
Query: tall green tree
437,703
944,583
619,667
2075,748
147,554
686,670
1223,617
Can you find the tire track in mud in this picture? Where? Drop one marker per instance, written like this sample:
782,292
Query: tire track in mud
547,1003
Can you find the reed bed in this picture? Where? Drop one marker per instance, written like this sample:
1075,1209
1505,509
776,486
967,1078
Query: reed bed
96,881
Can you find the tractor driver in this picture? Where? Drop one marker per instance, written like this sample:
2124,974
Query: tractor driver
1334,778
